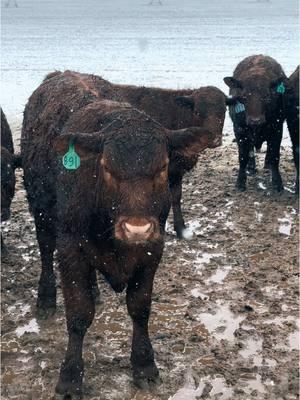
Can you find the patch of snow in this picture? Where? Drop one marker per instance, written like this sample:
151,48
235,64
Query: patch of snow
223,323
31,327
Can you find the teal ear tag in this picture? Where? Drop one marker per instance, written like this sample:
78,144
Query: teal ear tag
71,159
239,107
281,88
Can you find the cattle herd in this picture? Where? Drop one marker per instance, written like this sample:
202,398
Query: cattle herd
104,163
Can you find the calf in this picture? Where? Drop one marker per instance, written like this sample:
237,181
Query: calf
103,203
292,114
8,164
176,109
257,111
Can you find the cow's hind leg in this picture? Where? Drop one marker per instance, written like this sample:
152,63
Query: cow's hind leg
95,288
294,135
273,150
244,151
176,192
80,308
46,236
139,293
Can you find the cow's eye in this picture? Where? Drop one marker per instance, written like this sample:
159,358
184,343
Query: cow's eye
164,168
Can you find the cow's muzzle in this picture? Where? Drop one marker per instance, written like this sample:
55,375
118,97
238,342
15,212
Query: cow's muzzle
137,230
255,123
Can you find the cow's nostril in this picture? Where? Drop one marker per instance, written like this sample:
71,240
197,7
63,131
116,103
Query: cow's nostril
138,229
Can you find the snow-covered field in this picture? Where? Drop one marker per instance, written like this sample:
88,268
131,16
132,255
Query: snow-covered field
183,43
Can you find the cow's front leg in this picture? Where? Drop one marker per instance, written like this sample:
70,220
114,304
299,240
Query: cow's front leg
244,147
176,192
274,143
252,162
139,293
79,304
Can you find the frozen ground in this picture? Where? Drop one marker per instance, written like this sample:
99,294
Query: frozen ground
224,319
225,304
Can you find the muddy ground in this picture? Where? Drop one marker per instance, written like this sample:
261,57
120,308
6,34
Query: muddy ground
225,303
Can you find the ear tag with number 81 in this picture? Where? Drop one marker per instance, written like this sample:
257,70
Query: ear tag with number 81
71,159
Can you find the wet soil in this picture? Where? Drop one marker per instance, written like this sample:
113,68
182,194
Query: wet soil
225,303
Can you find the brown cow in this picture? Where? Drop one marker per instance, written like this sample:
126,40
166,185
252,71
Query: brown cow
175,109
107,214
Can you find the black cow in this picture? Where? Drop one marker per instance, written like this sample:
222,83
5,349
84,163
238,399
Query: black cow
256,108
292,114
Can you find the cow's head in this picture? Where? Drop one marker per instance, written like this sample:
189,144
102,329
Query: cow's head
132,160
255,98
207,106
7,182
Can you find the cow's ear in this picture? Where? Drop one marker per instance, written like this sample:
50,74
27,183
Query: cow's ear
185,101
191,141
233,83
85,144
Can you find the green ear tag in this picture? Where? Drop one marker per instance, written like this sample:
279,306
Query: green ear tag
281,88
71,159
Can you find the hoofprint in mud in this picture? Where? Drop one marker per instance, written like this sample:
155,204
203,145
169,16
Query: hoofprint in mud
224,314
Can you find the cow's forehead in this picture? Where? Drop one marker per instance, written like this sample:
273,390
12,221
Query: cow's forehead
139,154
260,83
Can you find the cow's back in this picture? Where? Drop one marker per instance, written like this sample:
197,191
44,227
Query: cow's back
48,110
159,104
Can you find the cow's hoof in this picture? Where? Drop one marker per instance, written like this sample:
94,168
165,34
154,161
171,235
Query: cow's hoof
142,377
252,172
278,187
45,308
181,233
67,396
241,187
68,391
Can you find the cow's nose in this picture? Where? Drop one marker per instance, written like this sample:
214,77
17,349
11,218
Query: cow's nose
137,229
138,232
